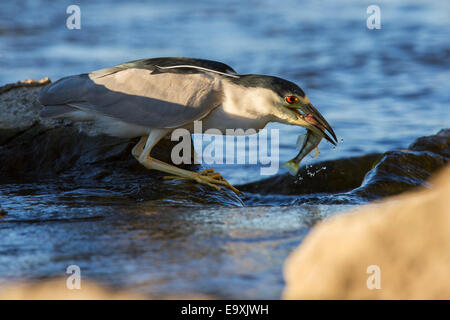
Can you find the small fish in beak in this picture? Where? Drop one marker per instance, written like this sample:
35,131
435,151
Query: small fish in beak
314,117
311,139
306,142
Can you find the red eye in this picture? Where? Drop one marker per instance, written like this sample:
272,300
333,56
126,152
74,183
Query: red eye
291,99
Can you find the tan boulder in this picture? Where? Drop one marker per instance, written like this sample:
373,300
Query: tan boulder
407,237
56,289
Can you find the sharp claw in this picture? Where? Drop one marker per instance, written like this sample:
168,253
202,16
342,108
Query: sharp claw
225,183
206,171
214,186
208,177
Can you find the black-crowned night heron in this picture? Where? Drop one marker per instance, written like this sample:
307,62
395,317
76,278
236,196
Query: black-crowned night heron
152,97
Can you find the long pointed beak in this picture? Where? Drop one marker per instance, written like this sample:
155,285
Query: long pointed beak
314,117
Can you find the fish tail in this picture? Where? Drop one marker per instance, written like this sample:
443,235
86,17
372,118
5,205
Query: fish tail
292,166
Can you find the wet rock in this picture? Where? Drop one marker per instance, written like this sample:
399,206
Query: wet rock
364,178
399,171
402,170
31,148
407,237
437,144
334,176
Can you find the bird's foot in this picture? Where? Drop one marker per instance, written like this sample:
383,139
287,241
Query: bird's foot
208,177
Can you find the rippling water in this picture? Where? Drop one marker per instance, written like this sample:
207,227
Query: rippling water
222,252
380,89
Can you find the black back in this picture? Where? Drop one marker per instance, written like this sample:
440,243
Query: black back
280,86
176,61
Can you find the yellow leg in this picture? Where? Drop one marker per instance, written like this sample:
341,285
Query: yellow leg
139,147
142,153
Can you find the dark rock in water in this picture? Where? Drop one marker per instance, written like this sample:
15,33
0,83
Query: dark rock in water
334,176
438,144
399,171
362,178
402,170
39,150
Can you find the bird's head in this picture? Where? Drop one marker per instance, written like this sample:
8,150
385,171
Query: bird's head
288,103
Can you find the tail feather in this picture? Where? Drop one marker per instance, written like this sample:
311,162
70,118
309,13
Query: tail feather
63,91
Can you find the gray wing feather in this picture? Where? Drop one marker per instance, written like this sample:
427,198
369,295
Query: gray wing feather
56,111
136,96
67,89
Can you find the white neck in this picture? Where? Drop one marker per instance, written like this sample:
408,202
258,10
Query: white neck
248,108
255,103
250,103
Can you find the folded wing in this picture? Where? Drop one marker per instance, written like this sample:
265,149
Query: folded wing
136,95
